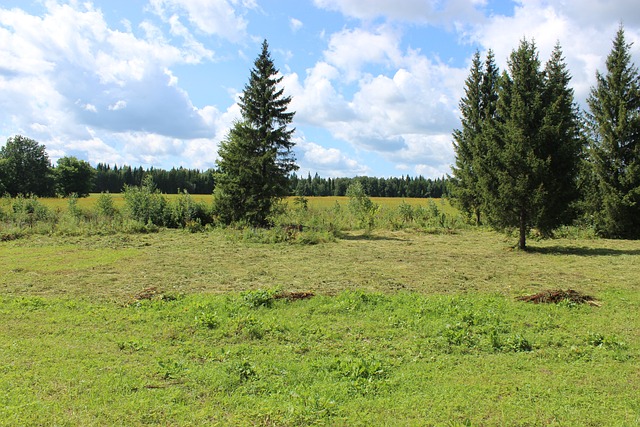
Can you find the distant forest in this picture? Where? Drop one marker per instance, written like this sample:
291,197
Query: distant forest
112,179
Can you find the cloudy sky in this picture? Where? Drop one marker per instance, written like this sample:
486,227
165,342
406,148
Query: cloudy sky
375,84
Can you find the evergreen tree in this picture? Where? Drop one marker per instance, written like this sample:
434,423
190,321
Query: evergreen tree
478,108
256,158
562,145
614,105
25,167
532,147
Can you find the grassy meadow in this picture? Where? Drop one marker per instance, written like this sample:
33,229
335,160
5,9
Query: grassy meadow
398,326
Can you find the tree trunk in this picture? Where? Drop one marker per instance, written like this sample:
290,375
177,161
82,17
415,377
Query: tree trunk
522,244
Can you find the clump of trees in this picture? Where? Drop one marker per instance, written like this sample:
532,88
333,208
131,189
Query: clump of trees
524,158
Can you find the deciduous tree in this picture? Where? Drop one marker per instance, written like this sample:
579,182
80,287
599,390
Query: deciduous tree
25,167
74,176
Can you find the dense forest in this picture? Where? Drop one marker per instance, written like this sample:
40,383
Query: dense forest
113,179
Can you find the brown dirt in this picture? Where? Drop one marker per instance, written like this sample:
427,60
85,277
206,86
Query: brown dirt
293,296
558,295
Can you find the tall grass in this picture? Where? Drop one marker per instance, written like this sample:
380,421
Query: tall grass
144,209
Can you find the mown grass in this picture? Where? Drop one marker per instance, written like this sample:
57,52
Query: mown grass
353,359
406,328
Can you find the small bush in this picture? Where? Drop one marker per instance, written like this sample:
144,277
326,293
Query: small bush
105,206
146,204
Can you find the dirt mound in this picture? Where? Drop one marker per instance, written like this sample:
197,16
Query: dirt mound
293,296
147,293
558,295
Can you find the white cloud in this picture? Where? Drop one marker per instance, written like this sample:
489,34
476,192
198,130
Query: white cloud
585,31
119,105
223,18
73,83
405,115
327,162
295,24
434,12
350,50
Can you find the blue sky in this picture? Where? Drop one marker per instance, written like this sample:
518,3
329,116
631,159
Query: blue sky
375,84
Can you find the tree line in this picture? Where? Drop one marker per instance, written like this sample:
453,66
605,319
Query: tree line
25,169
405,186
528,158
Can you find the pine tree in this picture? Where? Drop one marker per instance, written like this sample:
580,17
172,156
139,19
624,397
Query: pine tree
527,173
614,119
256,158
478,109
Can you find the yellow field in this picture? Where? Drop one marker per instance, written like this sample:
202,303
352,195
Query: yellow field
57,203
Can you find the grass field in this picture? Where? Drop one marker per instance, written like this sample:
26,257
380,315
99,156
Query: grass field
317,202
405,328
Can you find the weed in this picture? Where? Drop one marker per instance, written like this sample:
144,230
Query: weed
259,298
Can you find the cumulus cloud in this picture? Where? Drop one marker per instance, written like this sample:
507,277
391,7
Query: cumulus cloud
585,31
217,17
327,162
77,85
405,115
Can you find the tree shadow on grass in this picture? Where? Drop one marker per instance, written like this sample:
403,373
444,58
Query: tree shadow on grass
581,251
370,237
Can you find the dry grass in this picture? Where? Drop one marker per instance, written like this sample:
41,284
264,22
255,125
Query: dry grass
469,261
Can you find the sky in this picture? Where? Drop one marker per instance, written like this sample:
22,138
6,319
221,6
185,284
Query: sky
375,84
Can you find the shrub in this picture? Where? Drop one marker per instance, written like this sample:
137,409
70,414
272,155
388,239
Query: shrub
105,206
146,204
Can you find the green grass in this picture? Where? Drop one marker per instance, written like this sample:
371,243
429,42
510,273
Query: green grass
406,328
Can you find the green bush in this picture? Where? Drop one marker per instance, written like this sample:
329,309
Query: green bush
146,204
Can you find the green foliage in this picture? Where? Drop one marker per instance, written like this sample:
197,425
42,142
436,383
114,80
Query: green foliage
105,206
259,298
256,158
478,108
145,204
184,212
361,206
614,140
25,168
74,176
29,210
531,149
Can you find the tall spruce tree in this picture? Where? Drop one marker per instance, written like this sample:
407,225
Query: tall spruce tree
562,145
256,158
614,118
478,108
527,173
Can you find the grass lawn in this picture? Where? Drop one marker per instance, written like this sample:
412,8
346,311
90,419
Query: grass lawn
405,328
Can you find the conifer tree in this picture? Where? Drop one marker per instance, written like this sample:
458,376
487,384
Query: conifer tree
478,108
614,119
562,145
527,173
256,158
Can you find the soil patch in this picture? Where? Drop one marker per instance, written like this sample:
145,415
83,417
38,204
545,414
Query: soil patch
559,295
